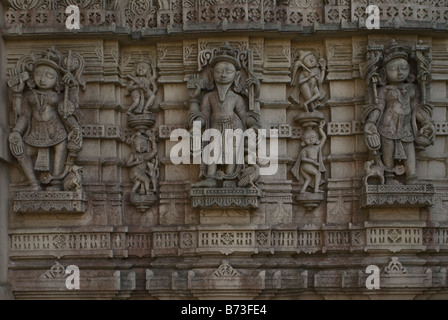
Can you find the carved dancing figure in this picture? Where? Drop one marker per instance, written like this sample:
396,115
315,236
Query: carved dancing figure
46,120
397,121
142,88
309,166
224,108
307,76
144,164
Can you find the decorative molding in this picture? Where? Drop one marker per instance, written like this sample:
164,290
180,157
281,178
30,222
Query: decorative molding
52,202
225,197
397,195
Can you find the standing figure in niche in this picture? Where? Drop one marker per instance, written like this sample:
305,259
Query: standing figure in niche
309,166
142,88
307,77
398,121
47,135
144,164
224,108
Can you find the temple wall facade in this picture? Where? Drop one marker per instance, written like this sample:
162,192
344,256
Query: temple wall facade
303,70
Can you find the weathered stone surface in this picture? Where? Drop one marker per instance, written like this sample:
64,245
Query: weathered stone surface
140,226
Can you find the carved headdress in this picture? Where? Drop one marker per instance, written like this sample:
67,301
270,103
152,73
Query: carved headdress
228,54
395,51
51,58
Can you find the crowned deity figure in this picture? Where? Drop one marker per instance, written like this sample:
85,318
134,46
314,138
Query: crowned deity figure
47,135
398,120
225,107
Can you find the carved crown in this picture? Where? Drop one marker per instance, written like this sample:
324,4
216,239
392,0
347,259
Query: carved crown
228,54
51,58
395,51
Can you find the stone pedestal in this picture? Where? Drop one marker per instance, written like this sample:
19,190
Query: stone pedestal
415,196
310,200
143,201
141,122
225,198
54,202
394,222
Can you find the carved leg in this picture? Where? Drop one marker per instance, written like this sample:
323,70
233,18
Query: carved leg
147,187
317,178
60,157
388,159
150,101
410,163
136,99
137,185
27,166
307,182
154,184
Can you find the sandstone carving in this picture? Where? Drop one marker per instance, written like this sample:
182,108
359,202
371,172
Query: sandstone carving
143,160
47,137
144,169
230,102
307,77
225,107
142,88
398,118
309,166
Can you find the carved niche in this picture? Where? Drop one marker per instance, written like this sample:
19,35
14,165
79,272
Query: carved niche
397,123
224,96
308,75
143,159
46,136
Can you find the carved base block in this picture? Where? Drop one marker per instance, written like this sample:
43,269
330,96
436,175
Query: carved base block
141,122
225,198
53,202
397,196
310,200
143,201
224,216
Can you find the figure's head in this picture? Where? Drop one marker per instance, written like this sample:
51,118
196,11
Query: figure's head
45,77
310,137
224,72
142,69
310,61
397,70
141,144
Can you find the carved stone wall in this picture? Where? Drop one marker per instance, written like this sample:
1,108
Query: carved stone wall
269,238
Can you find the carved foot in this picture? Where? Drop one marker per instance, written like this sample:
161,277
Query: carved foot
208,183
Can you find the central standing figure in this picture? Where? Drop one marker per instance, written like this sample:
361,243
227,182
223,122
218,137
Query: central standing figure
224,108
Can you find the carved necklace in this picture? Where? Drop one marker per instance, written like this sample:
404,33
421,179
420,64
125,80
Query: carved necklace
41,101
220,102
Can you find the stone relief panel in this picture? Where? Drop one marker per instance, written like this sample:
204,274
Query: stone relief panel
230,101
44,13
47,137
308,73
140,15
398,120
135,137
